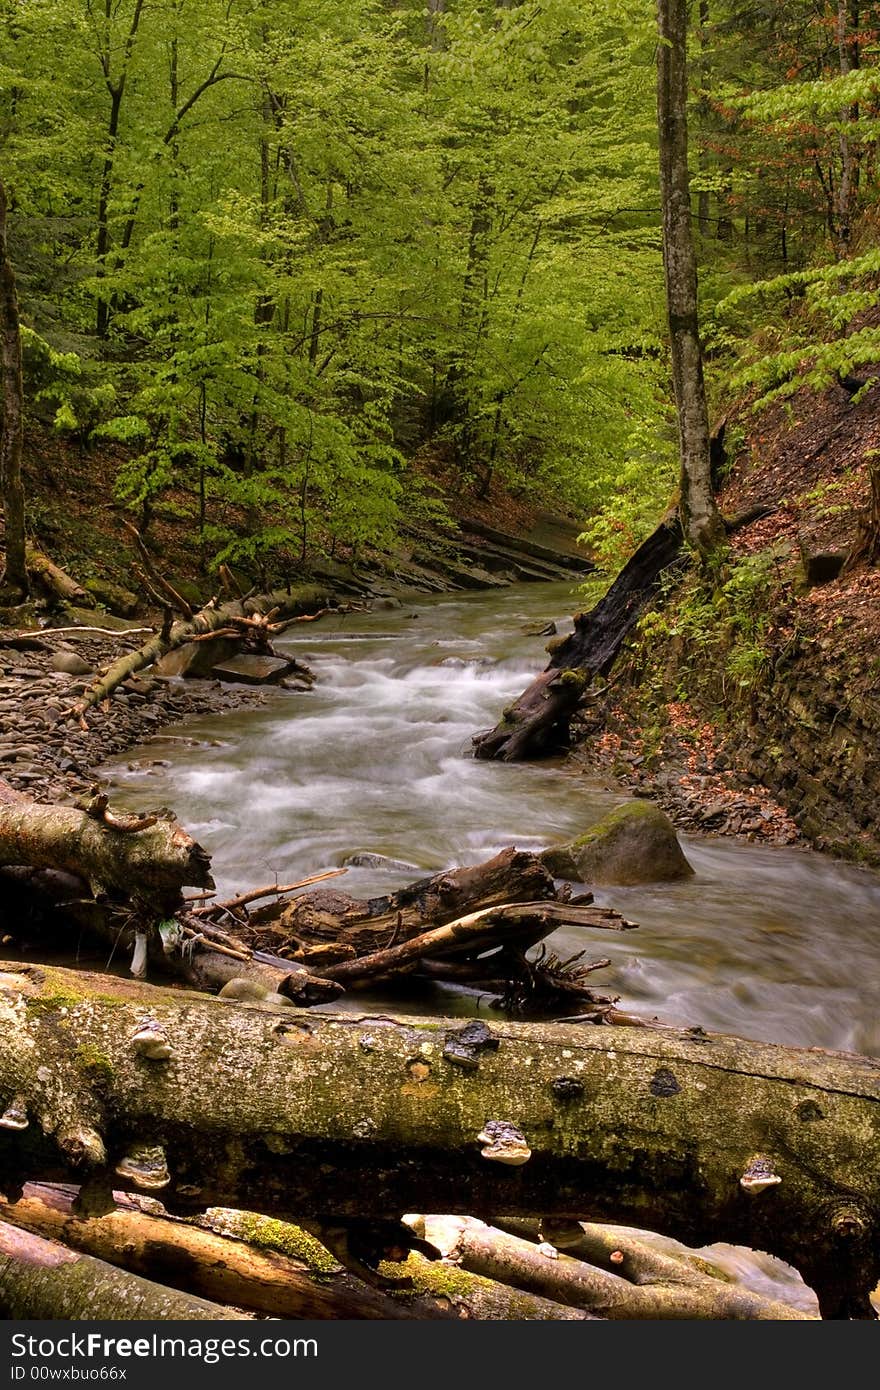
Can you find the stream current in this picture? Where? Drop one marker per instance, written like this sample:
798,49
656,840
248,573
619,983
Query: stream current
775,944
780,945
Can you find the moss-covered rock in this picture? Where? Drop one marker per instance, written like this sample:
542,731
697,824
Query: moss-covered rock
114,597
636,843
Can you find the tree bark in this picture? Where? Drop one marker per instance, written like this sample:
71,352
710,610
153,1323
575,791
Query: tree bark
220,1267
701,520
15,585
55,580
701,1136
669,1291
152,863
41,1279
314,919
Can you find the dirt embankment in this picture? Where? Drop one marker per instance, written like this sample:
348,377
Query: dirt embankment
756,710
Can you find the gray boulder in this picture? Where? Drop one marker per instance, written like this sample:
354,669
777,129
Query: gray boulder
70,663
635,843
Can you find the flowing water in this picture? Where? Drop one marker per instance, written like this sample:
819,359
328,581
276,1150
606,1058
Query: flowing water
774,944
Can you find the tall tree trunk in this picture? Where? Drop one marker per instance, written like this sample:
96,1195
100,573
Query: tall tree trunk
701,519
15,584
848,52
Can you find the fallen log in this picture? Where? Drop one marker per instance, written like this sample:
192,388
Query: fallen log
153,859
326,916
538,721
40,1278
54,580
259,619
700,1136
663,1289
213,1265
509,927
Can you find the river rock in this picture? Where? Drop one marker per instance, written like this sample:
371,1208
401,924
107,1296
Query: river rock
635,843
114,597
365,860
250,668
70,663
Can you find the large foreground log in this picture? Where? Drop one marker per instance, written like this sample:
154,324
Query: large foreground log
538,721
703,1137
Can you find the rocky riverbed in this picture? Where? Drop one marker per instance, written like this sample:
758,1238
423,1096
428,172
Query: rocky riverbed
48,755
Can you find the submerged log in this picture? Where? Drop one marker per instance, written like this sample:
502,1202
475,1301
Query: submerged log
701,1136
40,1278
538,721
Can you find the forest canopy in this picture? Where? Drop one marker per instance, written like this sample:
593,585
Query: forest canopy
317,266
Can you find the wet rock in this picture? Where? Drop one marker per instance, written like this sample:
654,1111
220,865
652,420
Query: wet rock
365,860
252,669
636,843
70,664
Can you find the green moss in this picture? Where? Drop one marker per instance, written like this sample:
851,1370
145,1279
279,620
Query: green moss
94,1062
53,1001
432,1278
268,1234
636,810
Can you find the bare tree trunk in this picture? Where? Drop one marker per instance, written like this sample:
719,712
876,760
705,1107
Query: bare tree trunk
15,582
701,520
701,1136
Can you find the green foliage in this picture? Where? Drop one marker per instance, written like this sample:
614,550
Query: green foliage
719,637
291,244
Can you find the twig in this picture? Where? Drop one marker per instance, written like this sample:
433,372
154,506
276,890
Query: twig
244,898
168,590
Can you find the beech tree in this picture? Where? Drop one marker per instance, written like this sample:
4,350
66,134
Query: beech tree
15,581
701,520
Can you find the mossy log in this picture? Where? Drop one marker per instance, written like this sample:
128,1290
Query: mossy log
538,721
303,1281
55,580
656,1287
40,1279
700,1136
152,859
